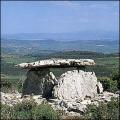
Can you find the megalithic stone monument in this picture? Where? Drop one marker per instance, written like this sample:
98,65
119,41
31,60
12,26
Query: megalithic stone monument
71,85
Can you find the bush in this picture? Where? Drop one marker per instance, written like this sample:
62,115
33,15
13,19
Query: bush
116,77
45,112
113,108
28,109
20,86
5,112
6,85
23,110
108,84
104,111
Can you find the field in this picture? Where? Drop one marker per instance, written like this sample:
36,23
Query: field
41,47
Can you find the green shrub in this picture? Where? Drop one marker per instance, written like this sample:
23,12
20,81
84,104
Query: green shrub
45,112
5,112
23,110
108,84
104,111
6,85
20,86
113,108
116,77
92,112
28,109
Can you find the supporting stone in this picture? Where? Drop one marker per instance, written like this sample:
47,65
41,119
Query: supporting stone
39,82
74,85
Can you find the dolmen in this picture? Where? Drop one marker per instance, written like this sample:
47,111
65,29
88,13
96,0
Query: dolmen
73,85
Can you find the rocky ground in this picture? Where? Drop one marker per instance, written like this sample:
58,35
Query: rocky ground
69,107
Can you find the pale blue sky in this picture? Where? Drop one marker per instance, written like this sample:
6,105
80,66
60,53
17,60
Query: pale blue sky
58,16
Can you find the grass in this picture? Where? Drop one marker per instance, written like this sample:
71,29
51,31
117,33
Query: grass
10,77
108,61
16,59
10,83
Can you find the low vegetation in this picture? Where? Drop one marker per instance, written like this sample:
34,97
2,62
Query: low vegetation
30,110
111,83
109,111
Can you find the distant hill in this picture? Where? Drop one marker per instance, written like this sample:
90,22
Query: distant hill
50,46
83,35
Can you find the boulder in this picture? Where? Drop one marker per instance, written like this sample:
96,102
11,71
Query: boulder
75,85
39,82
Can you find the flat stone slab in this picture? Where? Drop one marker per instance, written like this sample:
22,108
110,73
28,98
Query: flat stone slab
51,63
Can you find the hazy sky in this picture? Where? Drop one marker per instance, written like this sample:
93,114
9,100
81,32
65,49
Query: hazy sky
58,16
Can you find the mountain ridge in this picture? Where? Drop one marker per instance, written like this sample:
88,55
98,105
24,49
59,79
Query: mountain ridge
84,35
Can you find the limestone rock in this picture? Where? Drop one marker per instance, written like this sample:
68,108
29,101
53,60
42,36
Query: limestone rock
74,85
10,99
39,82
57,63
